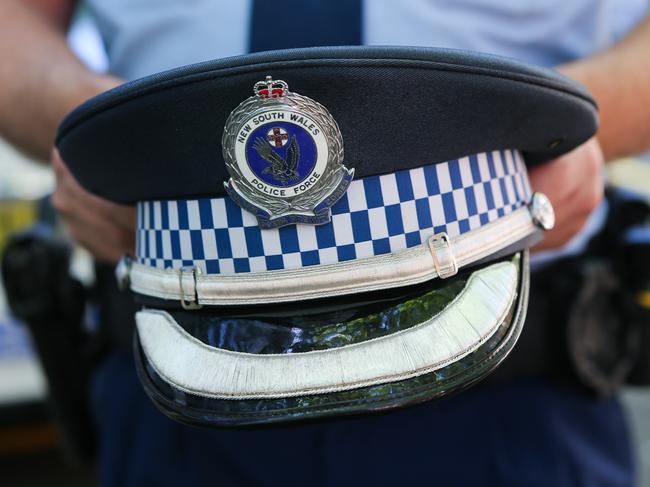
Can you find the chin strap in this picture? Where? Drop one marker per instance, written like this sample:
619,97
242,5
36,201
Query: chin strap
440,256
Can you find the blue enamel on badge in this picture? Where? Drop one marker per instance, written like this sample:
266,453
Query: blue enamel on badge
284,153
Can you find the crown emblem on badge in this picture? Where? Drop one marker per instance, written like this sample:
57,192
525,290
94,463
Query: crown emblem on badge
284,154
270,89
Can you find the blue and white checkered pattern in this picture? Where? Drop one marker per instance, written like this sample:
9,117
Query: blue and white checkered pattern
377,215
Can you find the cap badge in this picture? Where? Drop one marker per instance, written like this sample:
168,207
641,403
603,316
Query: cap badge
284,154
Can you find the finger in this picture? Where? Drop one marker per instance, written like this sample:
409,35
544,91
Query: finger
78,213
90,208
560,236
96,234
103,250
574,183
554,178
571,215
567,208
121,215
104,231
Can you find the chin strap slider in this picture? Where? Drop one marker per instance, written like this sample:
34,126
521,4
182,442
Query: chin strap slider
541,211
193,302
443,255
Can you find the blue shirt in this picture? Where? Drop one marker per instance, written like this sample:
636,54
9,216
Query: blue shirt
143,37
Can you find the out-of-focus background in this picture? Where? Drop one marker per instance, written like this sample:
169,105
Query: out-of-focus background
29,441
31,452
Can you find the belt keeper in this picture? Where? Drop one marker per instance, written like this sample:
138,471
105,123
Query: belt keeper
443,255
192,304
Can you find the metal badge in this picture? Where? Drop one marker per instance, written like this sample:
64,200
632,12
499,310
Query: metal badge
284,154
541,211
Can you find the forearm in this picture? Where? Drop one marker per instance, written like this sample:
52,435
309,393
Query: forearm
619,78
40,78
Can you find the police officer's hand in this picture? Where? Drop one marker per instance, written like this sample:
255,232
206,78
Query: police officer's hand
574,183
106,229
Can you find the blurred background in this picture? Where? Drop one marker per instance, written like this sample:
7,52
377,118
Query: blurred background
32,450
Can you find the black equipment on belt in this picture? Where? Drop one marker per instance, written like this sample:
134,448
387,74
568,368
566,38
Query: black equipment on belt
42,293
588,323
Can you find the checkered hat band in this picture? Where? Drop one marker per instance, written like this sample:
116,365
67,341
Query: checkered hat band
377,215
